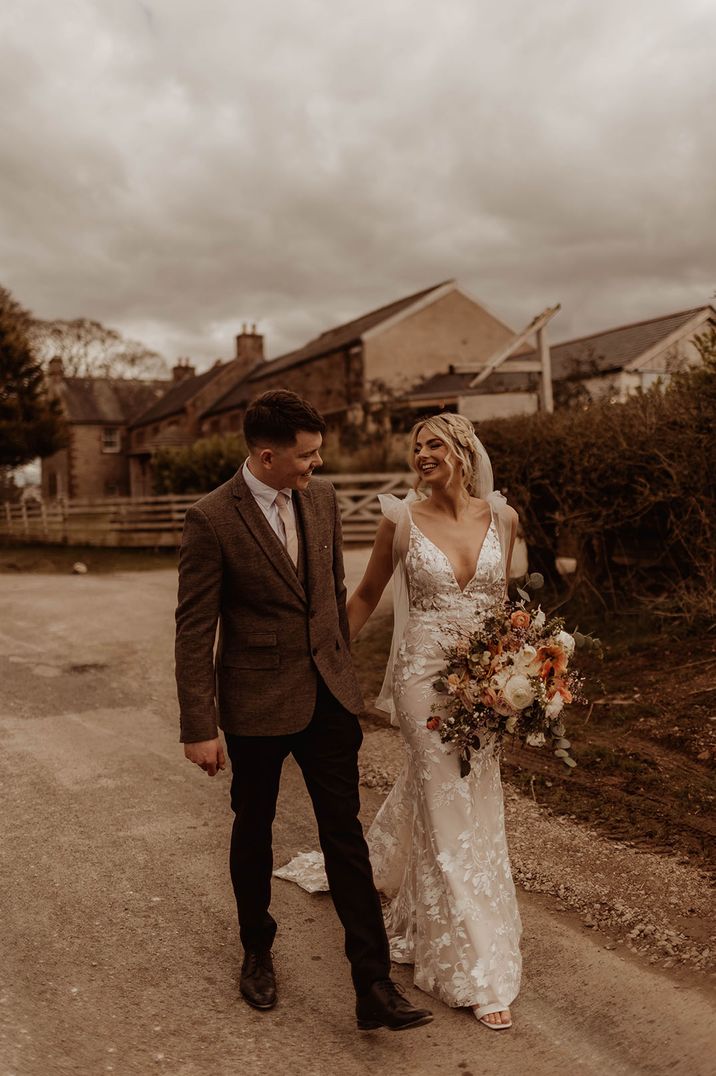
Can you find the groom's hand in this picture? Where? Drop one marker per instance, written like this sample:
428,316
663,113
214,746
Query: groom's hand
208,754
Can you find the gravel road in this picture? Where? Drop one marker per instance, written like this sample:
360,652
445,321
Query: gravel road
121,951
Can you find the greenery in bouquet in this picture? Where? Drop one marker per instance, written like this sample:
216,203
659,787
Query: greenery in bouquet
512,675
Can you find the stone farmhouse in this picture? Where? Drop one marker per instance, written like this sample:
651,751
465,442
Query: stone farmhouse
613,363
391,348
412,352
98,411
340,372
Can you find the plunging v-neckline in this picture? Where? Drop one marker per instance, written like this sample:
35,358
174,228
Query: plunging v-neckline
447,558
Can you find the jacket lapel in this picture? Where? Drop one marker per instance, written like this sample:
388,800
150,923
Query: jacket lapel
311,537
264,534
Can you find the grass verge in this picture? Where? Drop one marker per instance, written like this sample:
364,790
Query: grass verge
52,559
645,746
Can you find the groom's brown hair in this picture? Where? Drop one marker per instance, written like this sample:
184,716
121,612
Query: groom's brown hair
277,416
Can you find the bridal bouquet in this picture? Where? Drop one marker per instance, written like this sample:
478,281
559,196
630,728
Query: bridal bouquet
512,676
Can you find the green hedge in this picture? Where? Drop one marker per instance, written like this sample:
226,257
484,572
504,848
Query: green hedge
629,489
200,467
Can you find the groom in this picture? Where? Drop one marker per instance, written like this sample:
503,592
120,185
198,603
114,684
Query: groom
261,556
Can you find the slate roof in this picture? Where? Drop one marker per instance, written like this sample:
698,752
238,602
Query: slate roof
599,353
335,339
175,400
107,401
615,348
444,385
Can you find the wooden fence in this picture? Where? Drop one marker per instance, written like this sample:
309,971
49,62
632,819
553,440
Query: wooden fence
153,522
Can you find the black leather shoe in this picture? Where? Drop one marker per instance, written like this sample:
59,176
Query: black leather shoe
258,982
385,1006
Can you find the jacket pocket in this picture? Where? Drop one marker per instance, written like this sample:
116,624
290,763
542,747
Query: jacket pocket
256,650
261,638
251,659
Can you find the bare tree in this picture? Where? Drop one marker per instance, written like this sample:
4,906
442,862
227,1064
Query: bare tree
89,349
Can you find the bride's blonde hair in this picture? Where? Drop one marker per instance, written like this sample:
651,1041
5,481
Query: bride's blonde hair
458,433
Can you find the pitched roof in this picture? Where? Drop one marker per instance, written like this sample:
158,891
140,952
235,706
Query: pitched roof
175,400
334,339
105,400
615,348
599,353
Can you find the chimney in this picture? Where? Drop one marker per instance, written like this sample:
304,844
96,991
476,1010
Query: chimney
55,369
249,347
183,370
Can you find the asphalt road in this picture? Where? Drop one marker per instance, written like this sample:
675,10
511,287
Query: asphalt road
120,949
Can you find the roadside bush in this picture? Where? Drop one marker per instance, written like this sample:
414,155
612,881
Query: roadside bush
200,467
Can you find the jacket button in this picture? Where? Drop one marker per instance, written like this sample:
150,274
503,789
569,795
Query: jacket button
314,651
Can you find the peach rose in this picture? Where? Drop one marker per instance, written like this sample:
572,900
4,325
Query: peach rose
520,619
553,660
488,697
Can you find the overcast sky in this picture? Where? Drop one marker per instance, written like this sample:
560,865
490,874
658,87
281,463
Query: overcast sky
174,167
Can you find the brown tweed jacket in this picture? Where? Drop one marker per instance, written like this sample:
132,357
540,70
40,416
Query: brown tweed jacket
275,634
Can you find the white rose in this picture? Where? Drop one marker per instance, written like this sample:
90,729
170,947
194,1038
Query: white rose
566,641
499,679
538,619
510,724
554,705
518,692
535,739
525,660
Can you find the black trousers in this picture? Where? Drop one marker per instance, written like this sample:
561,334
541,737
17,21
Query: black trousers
327,753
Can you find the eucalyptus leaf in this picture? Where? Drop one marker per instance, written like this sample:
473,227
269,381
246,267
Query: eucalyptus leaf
561,753
570,762
536,580
563,743
523,594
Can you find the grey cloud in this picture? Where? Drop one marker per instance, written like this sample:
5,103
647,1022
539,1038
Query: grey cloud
173,169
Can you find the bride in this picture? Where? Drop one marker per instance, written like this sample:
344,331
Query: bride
437,845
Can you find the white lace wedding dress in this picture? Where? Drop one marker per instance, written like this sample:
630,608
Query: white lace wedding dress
437,845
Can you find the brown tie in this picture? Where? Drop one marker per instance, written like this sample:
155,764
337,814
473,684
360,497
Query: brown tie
289,525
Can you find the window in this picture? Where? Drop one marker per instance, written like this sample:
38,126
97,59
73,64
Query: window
111,441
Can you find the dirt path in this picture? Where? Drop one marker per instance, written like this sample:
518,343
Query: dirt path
120,947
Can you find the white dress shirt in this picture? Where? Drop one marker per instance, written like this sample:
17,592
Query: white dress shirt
265,497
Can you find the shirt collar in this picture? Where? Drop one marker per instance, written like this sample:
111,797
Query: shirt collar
263,493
